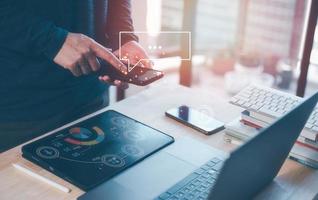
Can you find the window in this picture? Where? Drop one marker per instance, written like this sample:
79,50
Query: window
244,32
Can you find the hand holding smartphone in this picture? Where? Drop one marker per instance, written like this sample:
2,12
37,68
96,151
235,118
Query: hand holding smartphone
140,76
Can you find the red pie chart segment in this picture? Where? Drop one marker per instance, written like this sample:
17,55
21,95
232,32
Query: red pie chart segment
80,136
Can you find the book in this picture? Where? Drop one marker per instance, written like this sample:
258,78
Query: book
249,120
239,130
268,120
304,155
304,161
307,143
253,122
305,150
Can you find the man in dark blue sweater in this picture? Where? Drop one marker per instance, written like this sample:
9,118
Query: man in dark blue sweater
48,56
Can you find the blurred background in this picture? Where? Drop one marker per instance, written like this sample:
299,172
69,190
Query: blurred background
233,43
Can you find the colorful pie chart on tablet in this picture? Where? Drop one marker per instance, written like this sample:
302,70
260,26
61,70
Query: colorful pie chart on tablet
84,136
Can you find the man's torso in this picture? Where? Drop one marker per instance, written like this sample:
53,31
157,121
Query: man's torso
32,87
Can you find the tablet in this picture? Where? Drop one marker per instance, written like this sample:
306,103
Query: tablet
95,150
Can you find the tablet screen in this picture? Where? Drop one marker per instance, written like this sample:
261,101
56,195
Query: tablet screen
93,151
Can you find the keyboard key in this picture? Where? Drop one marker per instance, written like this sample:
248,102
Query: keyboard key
200,198
206,194
164,196
267,111
211,164
206,183
309,126
217,167
182,183
215,160
191,186
280,111
196,192
205,167
210,181
174,198
315,128
197,182
206,176
186,190
201,178
214,176
180,194
199,171
255,107
234,100
311,120
247,105
190,196
202,188
241,102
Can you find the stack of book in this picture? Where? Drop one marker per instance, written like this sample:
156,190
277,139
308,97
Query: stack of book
249,123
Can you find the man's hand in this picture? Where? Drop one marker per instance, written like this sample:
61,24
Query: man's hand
79,54
133,52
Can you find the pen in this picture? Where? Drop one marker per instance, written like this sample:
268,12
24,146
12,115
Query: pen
41,178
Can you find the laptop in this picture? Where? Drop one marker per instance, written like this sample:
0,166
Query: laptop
189,169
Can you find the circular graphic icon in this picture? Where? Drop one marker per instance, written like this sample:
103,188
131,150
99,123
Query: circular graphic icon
133,135
115,132
80,133
83,136
132,150
113,160
47,152
119,121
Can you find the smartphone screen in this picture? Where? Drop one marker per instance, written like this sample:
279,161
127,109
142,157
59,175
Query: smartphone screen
195,119
138,75
143,76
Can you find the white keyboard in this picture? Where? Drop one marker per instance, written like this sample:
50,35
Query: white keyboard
272,103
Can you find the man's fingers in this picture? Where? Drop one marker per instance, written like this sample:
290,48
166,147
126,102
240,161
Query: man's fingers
139,58
147,63
105,54
84,66
104,78
117,83
144,59
116,53
120,84
125,61
76,71
93,61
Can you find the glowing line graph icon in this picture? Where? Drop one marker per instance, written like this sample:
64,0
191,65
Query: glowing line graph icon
158,47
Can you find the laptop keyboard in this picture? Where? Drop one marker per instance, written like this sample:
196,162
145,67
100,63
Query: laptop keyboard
197,185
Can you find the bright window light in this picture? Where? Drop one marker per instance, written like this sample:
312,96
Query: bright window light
153,17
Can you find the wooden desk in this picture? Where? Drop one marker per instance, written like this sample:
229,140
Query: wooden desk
293,182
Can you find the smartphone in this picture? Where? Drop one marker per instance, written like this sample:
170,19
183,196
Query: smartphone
195,119
140,76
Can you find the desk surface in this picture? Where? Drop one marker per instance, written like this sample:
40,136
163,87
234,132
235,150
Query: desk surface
293,182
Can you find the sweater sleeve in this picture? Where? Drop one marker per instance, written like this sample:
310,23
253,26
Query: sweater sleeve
119,19
28,34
